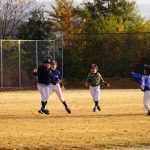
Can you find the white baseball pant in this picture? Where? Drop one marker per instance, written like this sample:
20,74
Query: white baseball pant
147,100
44,91
56,88
95,92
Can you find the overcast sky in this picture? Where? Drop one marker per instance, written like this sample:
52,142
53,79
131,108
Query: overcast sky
138,1
143,6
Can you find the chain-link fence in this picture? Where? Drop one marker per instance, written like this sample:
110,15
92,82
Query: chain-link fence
116,54
19,57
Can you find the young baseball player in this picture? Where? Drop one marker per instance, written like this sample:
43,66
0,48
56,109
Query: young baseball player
56,83
144,80
44,74
94,80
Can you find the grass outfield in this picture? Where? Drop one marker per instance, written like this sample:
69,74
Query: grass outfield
122,121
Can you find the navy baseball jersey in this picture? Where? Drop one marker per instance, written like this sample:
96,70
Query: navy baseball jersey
55,76
44,75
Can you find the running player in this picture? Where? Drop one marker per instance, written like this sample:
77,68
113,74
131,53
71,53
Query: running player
55,82
94,80
144,80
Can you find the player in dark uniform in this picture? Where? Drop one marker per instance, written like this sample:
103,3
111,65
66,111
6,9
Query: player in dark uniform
43,73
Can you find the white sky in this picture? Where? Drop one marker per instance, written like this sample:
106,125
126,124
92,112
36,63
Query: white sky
143,6
79,1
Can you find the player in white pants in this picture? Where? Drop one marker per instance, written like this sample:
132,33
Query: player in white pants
55,83
144,80
44,74
56,88
147,101
94,80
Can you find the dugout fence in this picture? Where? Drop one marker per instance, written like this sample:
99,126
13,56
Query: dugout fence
19,57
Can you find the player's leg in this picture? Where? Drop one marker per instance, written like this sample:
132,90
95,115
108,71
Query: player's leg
42,90
61,97
92,91
96,98
47,94
51,89
147,101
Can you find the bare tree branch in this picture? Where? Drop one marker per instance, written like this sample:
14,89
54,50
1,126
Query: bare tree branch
12,14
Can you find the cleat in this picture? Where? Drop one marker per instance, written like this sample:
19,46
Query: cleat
40,111
148,113
45,111
94,109
68,110
98,107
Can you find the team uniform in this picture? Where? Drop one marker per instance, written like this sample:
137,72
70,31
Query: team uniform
94,80
55,85
43,73
144,80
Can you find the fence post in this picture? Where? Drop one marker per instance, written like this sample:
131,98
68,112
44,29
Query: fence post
19,50
62,56
54,53
37,54
1,64
103,63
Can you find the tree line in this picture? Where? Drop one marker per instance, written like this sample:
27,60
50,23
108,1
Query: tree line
107,32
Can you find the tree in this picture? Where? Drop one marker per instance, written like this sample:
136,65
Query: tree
145,27
12,13
37,27
121,12
65,20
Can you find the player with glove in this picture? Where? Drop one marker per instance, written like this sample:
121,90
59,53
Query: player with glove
94,80
144,80
56,84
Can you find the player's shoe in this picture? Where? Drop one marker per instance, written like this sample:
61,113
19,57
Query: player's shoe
68,110
148,113
98,107
43,110
46,111
94,109
40,111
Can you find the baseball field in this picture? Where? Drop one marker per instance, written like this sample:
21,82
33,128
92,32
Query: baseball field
121,123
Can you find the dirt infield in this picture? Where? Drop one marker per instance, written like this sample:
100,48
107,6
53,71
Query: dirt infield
121,124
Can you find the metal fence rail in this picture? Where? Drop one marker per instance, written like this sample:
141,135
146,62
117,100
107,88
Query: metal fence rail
19,57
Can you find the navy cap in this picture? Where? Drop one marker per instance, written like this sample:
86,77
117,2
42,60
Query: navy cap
46,61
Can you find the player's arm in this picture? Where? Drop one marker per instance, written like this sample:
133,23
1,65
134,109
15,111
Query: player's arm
35,72
137,77
60,81
102,82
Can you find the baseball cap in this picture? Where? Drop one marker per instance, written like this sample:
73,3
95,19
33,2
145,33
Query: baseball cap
46,61
54,62
94,66
147,66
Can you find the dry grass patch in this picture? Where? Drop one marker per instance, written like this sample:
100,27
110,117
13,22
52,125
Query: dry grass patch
122,121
